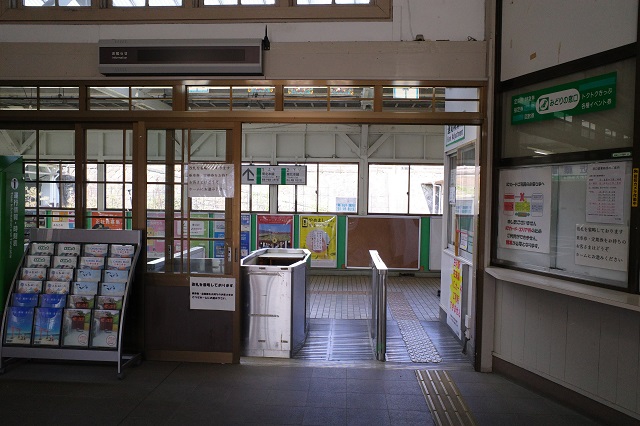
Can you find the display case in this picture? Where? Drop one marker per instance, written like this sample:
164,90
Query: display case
69,296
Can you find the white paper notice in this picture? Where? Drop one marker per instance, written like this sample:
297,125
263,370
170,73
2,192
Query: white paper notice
525,209
602,246
210,180
213,294
605,186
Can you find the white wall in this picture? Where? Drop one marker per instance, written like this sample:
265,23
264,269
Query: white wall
538,34
453,20
585,346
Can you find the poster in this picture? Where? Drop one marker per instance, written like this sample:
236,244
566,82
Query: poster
107,220
274,231
454,314
63,220
245,234
525,209
602,246
318,235
212,293
605,191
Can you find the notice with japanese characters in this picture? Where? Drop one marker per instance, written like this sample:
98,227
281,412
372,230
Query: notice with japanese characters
525,209
605,189
212,293
210,180
602,246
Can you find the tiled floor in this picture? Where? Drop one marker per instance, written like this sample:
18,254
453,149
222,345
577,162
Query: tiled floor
264,391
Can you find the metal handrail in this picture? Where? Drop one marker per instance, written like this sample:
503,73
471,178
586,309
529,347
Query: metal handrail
378,304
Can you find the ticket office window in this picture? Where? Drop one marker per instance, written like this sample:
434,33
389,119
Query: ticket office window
565,175
462,201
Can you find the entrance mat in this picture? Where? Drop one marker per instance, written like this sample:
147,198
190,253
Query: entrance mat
443,398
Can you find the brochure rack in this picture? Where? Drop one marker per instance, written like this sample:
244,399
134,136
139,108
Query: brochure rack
101,277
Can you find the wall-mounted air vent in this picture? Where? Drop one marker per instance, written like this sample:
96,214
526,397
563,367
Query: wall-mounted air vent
181,57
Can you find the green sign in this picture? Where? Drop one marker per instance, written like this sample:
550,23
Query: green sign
579,97
274,175
11,222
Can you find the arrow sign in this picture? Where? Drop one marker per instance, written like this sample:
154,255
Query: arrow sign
274,175
249,176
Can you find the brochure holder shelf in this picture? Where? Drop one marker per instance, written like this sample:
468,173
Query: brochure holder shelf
69,297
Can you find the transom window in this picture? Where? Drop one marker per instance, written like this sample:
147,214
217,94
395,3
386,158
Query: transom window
197,10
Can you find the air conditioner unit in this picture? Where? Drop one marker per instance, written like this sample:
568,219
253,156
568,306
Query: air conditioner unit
181,57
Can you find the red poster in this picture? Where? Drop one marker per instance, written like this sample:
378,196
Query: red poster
107,220
275,231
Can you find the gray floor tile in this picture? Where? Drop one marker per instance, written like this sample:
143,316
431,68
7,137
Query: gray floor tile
325,416
368,401
327,399
365,386
322,384
407,402
410,418
367,417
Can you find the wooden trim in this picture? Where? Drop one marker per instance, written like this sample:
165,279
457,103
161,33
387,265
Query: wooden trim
568,397
190,356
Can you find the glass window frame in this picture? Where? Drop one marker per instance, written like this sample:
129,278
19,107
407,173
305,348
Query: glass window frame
586,157
280,11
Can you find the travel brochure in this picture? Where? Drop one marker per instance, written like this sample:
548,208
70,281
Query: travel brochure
69,295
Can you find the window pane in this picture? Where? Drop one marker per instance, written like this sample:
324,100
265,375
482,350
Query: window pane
155,197
260,198
253,98
351,98
286,198
308,194
336,182
128,3
306,97
209,97
425,189
67,98
529,133
18,97
388,184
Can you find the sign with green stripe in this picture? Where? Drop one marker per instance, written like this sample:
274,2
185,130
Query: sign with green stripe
274,175
578,97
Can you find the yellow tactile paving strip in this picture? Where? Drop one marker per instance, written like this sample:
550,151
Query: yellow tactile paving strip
443,398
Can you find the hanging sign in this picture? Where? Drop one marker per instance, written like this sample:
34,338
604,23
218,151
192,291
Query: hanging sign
578,97
274,175
209,180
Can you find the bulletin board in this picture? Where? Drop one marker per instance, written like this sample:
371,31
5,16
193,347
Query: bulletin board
586,224
397,240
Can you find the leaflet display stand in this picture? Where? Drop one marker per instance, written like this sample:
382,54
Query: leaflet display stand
69,297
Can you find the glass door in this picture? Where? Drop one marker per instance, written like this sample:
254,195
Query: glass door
190,209
186,230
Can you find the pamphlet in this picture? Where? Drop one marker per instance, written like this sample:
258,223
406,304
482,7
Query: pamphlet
104,328
75,327
46,326
19,326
